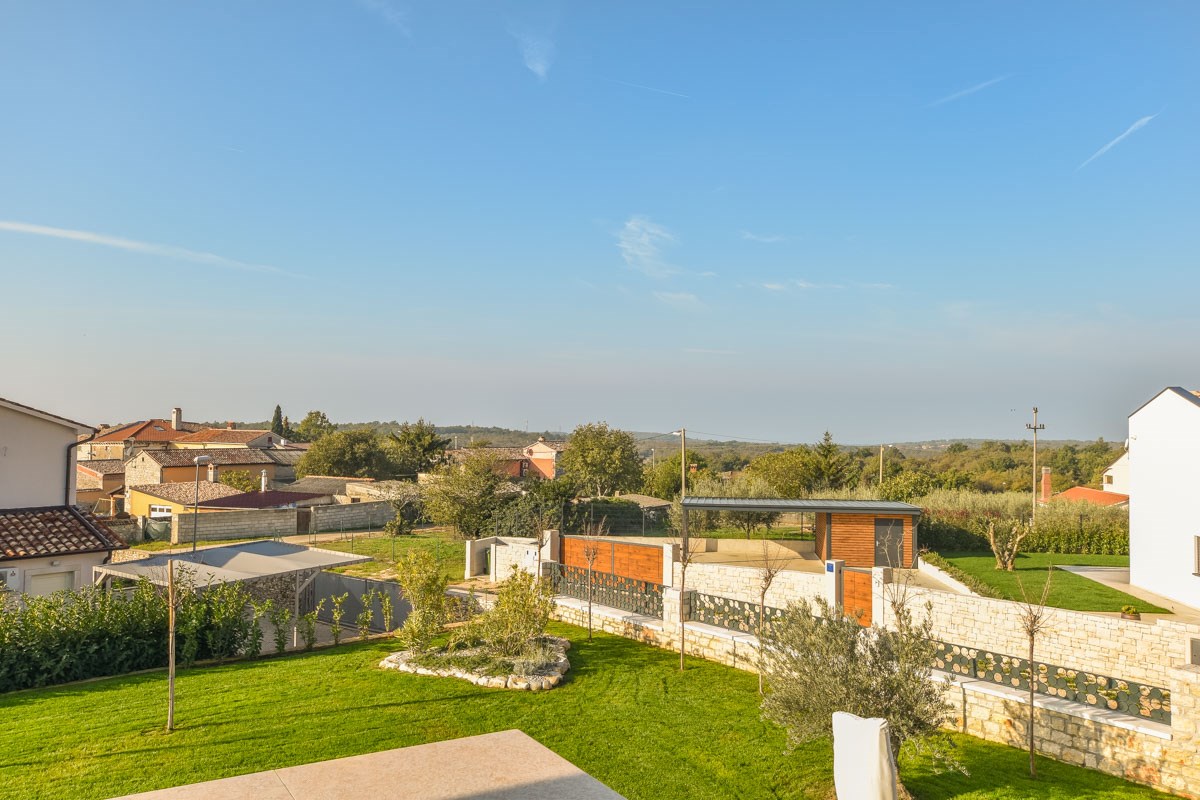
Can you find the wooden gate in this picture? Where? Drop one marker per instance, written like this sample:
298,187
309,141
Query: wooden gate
856,594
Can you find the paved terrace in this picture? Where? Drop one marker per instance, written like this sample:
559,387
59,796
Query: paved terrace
495,766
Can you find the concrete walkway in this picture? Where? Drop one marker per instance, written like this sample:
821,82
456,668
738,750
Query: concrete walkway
1118,578
495,766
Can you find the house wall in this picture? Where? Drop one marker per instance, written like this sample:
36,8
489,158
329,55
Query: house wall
97,450
854,539
80,565
141,471
1164,471
33,461
266,440
1118,474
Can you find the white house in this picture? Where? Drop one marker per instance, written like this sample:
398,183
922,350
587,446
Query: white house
46,543
1164,472
1116,477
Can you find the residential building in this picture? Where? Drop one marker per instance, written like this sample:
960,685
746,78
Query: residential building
329,485
1164,471
207,438
125,441
171,466
1078,494
46,543
539,460
1116,477
100,485
165,500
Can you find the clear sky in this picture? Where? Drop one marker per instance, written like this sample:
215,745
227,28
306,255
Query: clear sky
891,220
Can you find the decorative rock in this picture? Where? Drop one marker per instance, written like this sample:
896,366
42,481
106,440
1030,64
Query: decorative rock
548,676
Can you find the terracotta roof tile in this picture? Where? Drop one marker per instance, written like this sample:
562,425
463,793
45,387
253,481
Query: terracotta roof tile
1088,495
151,430
184,492
53,531
222,436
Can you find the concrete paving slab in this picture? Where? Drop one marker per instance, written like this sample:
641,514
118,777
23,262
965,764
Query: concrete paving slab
1118,578
497,766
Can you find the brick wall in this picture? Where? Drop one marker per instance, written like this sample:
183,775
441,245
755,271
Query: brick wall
265,523
351,517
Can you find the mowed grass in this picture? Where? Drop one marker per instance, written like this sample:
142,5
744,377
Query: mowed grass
446,549
626,715
1067,590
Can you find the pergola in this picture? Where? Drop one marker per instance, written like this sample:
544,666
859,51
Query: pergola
250,561
864,533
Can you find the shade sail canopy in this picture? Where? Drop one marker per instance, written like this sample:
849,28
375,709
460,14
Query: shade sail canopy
779,504
235,562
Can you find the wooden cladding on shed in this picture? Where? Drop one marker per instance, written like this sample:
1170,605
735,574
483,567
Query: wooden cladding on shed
643,562
854,540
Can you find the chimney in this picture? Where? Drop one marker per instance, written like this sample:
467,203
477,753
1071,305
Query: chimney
212,473
176,417
229,425
264,481
1046,490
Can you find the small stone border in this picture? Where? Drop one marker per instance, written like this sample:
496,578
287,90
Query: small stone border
546,678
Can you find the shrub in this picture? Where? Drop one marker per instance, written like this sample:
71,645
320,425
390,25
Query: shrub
336,613
281,618
424,586
516,620
308,625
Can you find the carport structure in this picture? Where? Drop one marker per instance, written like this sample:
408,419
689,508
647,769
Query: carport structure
279,566
862,533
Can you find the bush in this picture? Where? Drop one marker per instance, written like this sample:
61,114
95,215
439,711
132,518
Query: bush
515,621
956,520
424,586
93,632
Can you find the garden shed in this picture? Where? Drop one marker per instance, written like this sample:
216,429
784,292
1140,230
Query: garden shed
862,533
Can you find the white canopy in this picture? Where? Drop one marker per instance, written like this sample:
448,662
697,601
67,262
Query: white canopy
234,562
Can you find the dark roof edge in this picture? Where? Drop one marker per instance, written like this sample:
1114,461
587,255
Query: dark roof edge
46,415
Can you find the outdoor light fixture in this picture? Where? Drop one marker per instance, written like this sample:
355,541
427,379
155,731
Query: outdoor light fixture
198,460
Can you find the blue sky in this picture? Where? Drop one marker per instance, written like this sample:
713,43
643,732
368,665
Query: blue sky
894,221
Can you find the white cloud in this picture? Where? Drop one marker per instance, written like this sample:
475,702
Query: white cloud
134,246
1141,123
979,87
683,301
773,238
641,242
536,51
774,287
396,17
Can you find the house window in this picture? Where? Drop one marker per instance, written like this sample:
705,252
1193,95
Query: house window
1108,480
524,468
160,512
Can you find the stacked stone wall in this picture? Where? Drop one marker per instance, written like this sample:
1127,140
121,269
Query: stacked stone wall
743,583
219,525
351,517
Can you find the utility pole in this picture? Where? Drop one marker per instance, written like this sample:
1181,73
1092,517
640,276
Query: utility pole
881,465
683,484
171,644
1035,427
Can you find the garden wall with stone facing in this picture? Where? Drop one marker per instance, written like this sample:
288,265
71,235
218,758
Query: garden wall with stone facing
219,525
743,583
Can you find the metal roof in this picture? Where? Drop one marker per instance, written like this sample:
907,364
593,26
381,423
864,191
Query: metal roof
234,562
773,504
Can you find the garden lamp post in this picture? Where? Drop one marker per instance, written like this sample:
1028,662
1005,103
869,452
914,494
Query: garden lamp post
198,460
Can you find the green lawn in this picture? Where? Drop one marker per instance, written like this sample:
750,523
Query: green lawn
445,547
1066,590
625,714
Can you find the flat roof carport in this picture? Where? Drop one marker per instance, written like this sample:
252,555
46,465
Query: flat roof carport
235,562
781,505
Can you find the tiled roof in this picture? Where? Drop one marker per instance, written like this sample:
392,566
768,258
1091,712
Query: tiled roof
1089,495
284,456
151,430
558,445
53,531
86,480
103,466
323,484
502,453
184,492
221,456
272,499
222,436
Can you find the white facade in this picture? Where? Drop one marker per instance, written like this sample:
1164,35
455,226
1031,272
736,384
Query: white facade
35,467
1116,477
1164,471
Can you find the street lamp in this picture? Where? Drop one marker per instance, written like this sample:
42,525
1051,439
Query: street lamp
198,460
